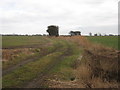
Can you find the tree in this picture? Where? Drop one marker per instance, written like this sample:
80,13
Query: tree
53,30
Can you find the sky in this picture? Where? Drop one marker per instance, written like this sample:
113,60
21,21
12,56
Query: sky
33,16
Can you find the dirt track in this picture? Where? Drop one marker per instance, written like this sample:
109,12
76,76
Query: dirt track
22,75
29,59
40,81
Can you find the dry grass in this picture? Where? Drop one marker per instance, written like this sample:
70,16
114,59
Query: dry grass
12,57
10,54
64,84
99,65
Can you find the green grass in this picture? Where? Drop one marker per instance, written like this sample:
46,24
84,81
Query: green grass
36,52
28,72
11,41
110,41
7,64
64,70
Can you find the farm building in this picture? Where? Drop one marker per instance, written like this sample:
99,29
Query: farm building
73,33
53,30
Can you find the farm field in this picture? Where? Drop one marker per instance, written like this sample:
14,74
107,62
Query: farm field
110,41
21,41
58,62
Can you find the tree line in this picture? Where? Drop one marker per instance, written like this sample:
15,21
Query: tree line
53,30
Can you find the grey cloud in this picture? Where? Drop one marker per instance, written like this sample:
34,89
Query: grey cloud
33,16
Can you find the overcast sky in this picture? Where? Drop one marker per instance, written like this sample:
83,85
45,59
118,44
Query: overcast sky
33,16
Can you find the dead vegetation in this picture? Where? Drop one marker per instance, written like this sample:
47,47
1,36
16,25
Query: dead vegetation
99,65
16,55
97,71
96,68
10,54
11,57
64,84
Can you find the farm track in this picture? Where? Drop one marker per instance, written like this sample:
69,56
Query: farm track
28,60
46,76
39,81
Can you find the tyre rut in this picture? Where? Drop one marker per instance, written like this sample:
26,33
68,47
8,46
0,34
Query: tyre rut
28,60
40,80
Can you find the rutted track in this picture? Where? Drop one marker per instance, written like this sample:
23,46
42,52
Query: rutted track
25,77
29,59
40,80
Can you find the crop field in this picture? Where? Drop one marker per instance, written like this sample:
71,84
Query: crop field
110,41
16,41
59,62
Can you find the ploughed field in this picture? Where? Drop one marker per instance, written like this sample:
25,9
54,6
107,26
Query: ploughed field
58,62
